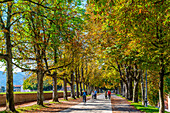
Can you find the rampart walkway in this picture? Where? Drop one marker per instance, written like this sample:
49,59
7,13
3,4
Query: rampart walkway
99,105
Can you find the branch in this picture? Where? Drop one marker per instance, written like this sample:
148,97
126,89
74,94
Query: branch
57,67
168,73
39,4
113,66
24,69
5,1
60,77
123,80
15,44
68,82
1,22
18,13
3,56
25,58
154,44
51,75
43,16
14,22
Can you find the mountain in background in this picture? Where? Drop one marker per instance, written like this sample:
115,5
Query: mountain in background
18,78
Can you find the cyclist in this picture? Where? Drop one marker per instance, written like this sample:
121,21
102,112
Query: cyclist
84,96
109,94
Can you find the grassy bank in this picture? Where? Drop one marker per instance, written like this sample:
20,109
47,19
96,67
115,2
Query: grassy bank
139,106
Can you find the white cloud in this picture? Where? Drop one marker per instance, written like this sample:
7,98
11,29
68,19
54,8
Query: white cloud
2,68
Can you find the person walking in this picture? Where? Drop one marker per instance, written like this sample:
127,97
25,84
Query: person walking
84,96
92,94
95,94
109,94
105,94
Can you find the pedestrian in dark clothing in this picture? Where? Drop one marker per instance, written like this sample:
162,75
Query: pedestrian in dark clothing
95,94
105,94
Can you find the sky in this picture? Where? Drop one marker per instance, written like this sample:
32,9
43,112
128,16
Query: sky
2,68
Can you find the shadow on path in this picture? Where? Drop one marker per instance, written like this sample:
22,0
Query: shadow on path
99,105
120,105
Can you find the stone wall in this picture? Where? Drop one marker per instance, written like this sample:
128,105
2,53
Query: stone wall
21,98
2,99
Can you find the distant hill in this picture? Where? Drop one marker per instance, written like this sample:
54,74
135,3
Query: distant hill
18,78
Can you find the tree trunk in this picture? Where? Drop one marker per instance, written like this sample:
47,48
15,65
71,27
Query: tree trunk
124,88
142,90
161,96
117,90
77,89
136,82
40,88
121,84
135,91
72,85
39,75
88,89
55,94
9,81
84,86
9,78
65,89
81,93
77,82
126,91
82,77
130,95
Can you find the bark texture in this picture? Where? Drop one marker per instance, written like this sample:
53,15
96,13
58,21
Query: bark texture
65,89
9,78
55,94
161,82
72,85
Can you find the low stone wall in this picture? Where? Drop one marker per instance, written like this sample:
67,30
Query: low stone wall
21,98
2,99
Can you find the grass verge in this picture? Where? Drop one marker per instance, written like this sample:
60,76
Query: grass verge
139,106
30,108
149,109
120,95
25,109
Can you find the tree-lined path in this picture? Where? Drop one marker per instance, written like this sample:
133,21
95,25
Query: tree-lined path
102,105
99,105
120,45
